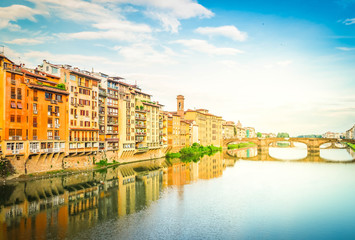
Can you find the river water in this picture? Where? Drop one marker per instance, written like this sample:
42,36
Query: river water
285,195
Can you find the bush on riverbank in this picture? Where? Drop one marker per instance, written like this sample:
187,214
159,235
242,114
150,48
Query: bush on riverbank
241,145
6,169
352,146
194,153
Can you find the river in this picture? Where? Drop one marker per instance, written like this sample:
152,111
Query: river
284,196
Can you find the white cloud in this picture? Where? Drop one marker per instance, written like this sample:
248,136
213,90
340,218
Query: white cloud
11,14
227,31
169,12
204,47
25,41
349,21
142,53
345,48
105,17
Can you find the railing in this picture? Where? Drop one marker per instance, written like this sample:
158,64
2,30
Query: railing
140,133
19,97
56,137
50,137
13,96
35,99
35,111
57,125
35,137
112,132
15,137
34,124
13,81
50,125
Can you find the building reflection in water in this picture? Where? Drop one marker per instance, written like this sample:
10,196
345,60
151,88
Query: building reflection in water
64,206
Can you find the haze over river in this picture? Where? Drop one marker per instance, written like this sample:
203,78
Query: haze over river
219,197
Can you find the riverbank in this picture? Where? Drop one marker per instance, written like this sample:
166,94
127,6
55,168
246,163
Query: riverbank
193,153
241,145
352,146
66,172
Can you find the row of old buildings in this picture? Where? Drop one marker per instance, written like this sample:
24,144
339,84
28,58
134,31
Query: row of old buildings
348,134
58,116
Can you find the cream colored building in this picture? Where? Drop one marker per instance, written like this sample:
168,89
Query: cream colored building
228,129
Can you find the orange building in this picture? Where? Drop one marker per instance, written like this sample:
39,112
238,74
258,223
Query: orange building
33,119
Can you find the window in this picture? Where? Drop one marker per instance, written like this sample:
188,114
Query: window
13,93
48,95
18,119
35,106
19,95
19,146
58,98
19,105
54,70
72,77
12,118
18,132
11,132
10,146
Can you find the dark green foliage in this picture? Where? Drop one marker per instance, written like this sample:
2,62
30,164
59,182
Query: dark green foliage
258,134
6,168
283,135
61,86
194,153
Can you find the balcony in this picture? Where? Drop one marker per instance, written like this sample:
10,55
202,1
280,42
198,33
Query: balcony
141,118
35,124
57,125
112,123
35,137
56,137
34,150
141,133
35,99
139,139
50,125
14,138
50,137
13,81
35,111
141,126
19,97
112,131
13,96
141,110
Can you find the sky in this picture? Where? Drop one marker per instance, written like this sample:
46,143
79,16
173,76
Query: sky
278,66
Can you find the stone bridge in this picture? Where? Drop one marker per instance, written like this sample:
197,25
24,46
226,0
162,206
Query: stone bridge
313,144
266,157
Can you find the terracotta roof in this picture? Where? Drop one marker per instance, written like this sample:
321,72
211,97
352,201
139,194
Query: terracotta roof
85,75
32,74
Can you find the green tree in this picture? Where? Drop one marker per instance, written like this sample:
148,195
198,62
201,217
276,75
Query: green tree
258,134
283,135
61,86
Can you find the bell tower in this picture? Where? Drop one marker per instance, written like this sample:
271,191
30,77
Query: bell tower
180,105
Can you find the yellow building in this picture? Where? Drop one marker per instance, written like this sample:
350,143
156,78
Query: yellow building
228,129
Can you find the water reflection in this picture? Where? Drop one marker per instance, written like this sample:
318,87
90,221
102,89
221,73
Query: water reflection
296,153
65,206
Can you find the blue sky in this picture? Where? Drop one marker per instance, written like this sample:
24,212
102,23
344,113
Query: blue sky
274,65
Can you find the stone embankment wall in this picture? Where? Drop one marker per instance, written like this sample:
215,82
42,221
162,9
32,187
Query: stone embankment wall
42,163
